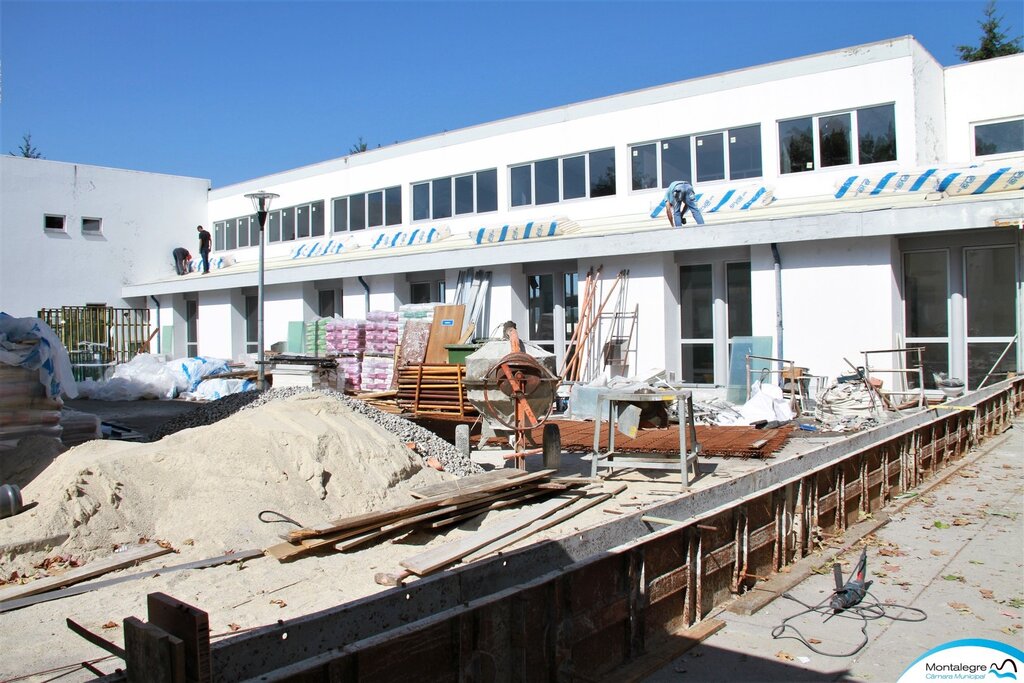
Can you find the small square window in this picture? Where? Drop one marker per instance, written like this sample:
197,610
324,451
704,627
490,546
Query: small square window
91,226
51,222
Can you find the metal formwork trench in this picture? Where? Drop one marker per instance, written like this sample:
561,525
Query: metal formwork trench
582,606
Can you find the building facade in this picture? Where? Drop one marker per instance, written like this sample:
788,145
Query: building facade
855,200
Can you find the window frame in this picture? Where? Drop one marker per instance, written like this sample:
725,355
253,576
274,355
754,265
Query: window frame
993,122
99,226
854,138
420,213
389,214
63,227
559,168
693,142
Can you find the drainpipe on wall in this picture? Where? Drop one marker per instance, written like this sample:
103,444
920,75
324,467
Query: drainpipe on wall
778,304
158,332
367,288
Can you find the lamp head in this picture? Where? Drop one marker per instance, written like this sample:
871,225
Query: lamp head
261,200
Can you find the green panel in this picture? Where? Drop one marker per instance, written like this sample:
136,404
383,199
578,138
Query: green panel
741,346
167,340
295,336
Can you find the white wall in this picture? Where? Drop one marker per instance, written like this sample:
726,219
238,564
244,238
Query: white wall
837,300
144,216
217,318
980,92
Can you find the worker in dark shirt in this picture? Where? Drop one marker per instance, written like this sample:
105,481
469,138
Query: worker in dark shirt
182,260
204,248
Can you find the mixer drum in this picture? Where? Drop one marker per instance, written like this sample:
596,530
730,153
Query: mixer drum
492,393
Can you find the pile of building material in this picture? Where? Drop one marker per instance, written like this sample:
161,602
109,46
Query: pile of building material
309,457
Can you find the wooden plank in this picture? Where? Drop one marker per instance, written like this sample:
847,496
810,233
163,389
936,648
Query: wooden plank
96,585
191,625
151,654
448,488
391,514
445,329
545,523
99,642
480,508
435,558
119,561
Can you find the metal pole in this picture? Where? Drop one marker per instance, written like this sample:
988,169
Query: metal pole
261,371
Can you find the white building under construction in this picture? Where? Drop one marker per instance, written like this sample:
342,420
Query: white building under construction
866,198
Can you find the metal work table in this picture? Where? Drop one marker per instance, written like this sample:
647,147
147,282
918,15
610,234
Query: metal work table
689,447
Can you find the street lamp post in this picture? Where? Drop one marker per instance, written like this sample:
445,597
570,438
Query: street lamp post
261,203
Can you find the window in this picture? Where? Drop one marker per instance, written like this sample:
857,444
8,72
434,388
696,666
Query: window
867,135
455,195
218,236
697,328
191,328
737,282
325,303
734,154
91,226
374,209
252,330
53,222
990,278
554,180
999,138
925,313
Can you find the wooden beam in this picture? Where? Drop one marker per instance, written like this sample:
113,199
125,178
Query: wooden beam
151,654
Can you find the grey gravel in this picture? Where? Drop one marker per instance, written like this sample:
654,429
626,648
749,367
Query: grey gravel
427,443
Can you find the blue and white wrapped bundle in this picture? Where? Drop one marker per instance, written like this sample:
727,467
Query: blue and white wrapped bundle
512,233
952,181
320,248
408,238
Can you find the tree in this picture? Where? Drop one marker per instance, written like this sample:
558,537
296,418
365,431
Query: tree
26,149
994,42
360,146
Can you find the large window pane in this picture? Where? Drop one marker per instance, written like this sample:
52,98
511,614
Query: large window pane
357,212
243,232
934,359
925,292
675,160
393,206
231,232
522,181
542,307
745,152
699,363
571,302
991,299
487,191
302,221
695,302
252,330
737,277
546,174
602,173
710,157
274,226
644,166
999,138
982,359
834,140
796,146
218,236
574,177
375,209
421,201
340,208
441,198
316,217
287,224
254,230
464,194
876,134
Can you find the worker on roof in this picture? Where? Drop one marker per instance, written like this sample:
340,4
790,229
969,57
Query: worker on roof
182,260
679,197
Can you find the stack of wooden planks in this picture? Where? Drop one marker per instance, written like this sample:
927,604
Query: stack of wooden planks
425,389
450,503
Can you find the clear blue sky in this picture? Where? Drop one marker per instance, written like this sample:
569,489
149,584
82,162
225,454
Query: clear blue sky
235,90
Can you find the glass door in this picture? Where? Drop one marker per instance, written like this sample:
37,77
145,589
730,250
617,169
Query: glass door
990,278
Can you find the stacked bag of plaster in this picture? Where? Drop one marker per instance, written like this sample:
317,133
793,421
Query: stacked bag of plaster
381,332
350,369
316,337
25,409
346,335
377,374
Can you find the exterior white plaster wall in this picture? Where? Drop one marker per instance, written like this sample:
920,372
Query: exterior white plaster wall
215,324
837,299
143,217
929,109
981,92
282,304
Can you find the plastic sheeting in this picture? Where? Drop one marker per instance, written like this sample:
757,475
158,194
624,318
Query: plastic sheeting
146,376
30,343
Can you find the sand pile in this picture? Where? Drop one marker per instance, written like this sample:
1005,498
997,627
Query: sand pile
309,457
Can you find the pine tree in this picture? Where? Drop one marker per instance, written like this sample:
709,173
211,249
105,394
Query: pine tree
25,149
994,42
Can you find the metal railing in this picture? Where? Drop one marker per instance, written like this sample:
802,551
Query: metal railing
97,337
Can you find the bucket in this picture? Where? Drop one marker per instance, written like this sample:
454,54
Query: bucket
10,500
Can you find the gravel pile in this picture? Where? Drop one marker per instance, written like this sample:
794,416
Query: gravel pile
427,443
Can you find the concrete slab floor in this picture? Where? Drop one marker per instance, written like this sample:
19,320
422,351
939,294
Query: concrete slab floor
955,552
142,416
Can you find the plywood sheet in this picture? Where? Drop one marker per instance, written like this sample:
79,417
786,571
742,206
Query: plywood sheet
446,328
